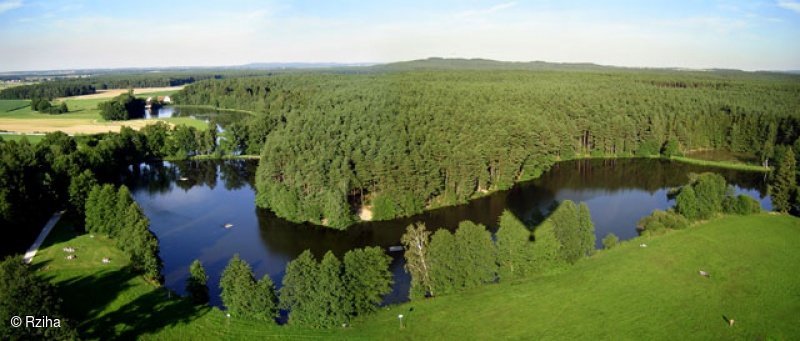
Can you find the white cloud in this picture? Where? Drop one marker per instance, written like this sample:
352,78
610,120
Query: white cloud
790,5
9,5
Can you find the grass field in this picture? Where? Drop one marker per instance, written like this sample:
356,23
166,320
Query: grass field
13,104
626,293
17,137
83,118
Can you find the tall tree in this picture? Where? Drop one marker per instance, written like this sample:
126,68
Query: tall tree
567,226
417,265
587,234
476,255
243,296
79,189
514,247
367,278
135,238
785,182
299,289
331,297
265,299
196,284
123,202
443,260
546,248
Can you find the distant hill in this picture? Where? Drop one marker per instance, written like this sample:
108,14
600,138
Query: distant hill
279,66
436,63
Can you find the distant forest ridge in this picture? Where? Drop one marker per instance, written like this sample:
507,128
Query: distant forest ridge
428,63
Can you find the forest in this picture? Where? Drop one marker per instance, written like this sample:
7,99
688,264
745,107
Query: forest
49,90
397,143
60,172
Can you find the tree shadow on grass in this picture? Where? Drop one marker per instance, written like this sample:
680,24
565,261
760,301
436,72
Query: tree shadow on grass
146,314
149,309
84,298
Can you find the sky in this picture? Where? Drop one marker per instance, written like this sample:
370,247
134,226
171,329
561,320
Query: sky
54,34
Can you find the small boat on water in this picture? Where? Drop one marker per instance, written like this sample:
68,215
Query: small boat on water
228,225
183,178
395,248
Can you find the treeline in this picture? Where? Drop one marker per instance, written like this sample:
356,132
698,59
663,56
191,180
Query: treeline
86,86
446,262
318,294
149,80
705,196
399,143
49,90
113,213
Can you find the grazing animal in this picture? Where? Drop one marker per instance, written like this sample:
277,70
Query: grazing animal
704,274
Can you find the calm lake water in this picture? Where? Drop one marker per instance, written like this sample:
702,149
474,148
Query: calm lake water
188,204
200,113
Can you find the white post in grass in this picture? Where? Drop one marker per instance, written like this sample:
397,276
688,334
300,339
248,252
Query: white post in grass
400,317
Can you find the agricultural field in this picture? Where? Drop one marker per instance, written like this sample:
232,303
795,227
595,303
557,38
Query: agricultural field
139,92
83,117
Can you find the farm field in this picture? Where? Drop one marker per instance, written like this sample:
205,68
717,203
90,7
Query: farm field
83,118
105,94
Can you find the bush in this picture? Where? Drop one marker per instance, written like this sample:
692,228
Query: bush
703,197
610,241
43,105
741,204
648,148
671,148
660,221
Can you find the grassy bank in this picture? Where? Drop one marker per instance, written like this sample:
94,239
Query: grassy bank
626,293
214,157
721,164
728,164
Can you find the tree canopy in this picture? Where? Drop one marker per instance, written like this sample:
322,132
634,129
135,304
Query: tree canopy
404,141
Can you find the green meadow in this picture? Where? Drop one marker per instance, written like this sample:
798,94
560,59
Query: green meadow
629,292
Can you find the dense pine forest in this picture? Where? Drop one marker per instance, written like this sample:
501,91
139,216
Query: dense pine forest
397,143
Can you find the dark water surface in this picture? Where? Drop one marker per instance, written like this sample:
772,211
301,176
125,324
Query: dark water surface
188,204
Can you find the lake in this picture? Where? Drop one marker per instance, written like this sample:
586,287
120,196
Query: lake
221,116
188,204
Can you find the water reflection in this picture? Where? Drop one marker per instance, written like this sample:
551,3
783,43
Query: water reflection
221,117
189,203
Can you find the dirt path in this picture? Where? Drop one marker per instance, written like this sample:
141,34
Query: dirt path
28,258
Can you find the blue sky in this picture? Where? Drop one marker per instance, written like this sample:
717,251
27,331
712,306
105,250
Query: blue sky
53,34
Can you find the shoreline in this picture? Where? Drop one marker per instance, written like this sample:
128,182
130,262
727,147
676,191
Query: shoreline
478,195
